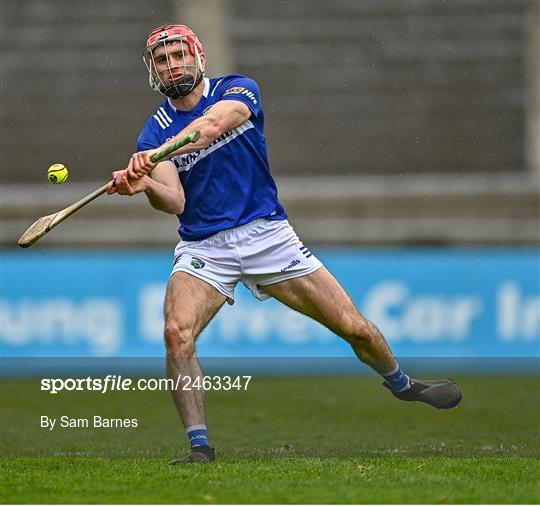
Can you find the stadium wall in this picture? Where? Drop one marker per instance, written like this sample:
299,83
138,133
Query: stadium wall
436,105
412,87
429,303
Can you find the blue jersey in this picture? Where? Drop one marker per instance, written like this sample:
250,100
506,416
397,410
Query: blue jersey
227,184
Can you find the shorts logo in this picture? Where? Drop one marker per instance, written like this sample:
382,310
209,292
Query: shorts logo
197,263
295,262
176,259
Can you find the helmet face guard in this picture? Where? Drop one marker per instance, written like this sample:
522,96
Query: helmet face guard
191,75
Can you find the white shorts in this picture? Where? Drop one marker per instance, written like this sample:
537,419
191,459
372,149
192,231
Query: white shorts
259,253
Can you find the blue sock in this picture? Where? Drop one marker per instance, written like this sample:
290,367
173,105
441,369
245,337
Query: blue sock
397,380
198,435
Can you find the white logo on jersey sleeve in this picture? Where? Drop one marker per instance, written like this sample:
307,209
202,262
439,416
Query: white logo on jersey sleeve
240,90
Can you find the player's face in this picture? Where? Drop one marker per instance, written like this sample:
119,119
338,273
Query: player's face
173,61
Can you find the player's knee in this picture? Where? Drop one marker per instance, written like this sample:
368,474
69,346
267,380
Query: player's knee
357,331
179,340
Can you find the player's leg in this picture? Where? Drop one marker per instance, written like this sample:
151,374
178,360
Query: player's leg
190,304
319,296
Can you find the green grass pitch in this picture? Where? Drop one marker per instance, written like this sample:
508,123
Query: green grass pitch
285,440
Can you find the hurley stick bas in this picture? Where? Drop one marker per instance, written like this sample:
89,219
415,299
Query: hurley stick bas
44,224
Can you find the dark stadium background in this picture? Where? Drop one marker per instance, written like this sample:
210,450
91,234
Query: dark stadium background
388,123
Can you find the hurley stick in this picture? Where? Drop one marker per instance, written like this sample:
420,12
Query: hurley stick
44,224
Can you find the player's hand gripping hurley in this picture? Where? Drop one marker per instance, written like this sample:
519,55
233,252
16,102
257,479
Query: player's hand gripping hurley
44,224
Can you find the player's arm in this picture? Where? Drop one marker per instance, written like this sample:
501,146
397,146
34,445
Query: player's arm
163,190
223,116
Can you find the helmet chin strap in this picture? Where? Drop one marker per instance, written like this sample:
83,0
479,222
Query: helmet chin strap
184,86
